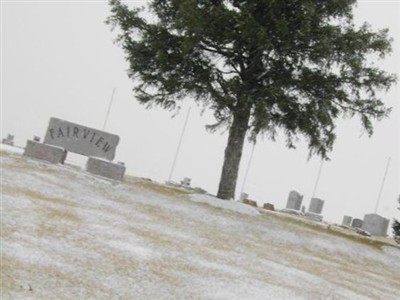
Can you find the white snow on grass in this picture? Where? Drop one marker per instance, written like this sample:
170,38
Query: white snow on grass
11,149
68,235
225,204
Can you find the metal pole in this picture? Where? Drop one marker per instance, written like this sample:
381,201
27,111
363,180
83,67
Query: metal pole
248,168
318,176
383,183
109,108
179,145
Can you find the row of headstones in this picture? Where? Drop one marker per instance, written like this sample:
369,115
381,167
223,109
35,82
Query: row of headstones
294,206
9,140
57,155
372,223
244,199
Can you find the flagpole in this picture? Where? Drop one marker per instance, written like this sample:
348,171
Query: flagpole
318,177
382,184
109,108
248,168
179,145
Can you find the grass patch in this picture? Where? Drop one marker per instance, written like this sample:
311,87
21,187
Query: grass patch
20,191
160,189
294,223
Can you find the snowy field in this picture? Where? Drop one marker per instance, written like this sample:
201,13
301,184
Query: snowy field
68,235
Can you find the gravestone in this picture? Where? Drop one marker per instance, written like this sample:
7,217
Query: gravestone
294,200
347,221
105,168
186,182
81,139
316,206
243,196
252,202
49,153
375,224
357,223
9,140
269,206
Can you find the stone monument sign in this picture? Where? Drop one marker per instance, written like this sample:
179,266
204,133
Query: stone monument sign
80,139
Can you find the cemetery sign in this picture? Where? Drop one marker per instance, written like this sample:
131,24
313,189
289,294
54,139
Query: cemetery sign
80,139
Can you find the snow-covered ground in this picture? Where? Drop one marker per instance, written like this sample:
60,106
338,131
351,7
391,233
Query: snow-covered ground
68,235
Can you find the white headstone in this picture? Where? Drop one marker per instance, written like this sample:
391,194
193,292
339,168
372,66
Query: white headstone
243,196
347,221
316,205
294,200
375,224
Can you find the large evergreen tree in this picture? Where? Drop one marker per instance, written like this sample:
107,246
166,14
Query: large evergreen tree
263,67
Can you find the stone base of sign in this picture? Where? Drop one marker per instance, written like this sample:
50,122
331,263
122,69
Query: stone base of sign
105,168
375,224
49,153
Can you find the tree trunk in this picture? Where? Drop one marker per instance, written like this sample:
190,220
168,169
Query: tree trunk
233,154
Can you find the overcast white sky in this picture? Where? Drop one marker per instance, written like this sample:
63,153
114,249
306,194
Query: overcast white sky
59,60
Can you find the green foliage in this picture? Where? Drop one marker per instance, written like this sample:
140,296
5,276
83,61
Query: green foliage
296,65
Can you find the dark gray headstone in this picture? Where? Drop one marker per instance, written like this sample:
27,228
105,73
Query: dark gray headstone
357,223
81,139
